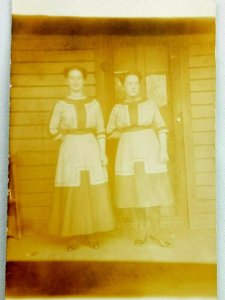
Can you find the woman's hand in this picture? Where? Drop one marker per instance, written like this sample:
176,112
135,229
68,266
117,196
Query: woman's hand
104,159
163,157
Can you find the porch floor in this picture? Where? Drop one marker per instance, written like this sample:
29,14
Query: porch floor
195,246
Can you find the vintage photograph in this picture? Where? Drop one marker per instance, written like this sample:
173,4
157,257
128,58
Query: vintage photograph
112,158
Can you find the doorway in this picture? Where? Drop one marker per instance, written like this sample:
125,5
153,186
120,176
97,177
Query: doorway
157,59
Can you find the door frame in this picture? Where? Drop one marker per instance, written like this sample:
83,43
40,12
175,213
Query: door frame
180,94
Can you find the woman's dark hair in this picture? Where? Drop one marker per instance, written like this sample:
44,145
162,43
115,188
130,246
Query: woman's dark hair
125,75
67,70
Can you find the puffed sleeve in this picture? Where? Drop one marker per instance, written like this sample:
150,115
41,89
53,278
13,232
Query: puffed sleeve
100,124
158,120
55,120
111,126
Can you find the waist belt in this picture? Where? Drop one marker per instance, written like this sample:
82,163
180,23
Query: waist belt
135,128
77,131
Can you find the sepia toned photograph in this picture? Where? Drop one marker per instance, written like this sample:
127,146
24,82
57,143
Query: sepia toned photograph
112,158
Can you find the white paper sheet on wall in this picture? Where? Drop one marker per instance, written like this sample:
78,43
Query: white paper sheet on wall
156,88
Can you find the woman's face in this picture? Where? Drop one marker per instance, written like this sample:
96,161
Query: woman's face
132,85
75,80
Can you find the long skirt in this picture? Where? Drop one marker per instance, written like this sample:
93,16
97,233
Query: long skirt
81,203
143,190
141,179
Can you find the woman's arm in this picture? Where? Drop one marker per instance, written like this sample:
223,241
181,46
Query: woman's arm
54,124
112,132
102,147
163,154
101,136
162,134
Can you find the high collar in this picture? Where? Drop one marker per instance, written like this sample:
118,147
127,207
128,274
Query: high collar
134,101
81,100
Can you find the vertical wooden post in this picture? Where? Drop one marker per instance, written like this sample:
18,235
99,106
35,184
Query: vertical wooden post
187,125
105,91
104,73
175,87
99,74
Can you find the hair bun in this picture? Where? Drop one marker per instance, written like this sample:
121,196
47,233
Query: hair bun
125,75
67,70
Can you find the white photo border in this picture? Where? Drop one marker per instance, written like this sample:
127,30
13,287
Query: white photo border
5,46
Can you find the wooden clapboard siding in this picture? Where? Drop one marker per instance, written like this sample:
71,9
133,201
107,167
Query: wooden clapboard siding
207,220
202,97
206,206
26,132
196,61
37,200
30,186
52,56
24,118
43,92
203,111
204,138
37,172
45,80
201,52
36,158
37,83
204,151
200,85
205,178
205,124
202,73
47,68
25,145
32,105
35,214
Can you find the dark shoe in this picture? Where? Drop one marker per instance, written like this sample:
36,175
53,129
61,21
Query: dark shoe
92,243
139,243
161,241
73,244
73,247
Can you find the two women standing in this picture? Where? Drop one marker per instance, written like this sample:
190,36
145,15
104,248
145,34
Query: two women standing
82,204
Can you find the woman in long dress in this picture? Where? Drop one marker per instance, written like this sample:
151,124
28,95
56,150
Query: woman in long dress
81,206
141,179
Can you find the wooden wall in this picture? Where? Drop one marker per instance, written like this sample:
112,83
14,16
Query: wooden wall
201,51
37,83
